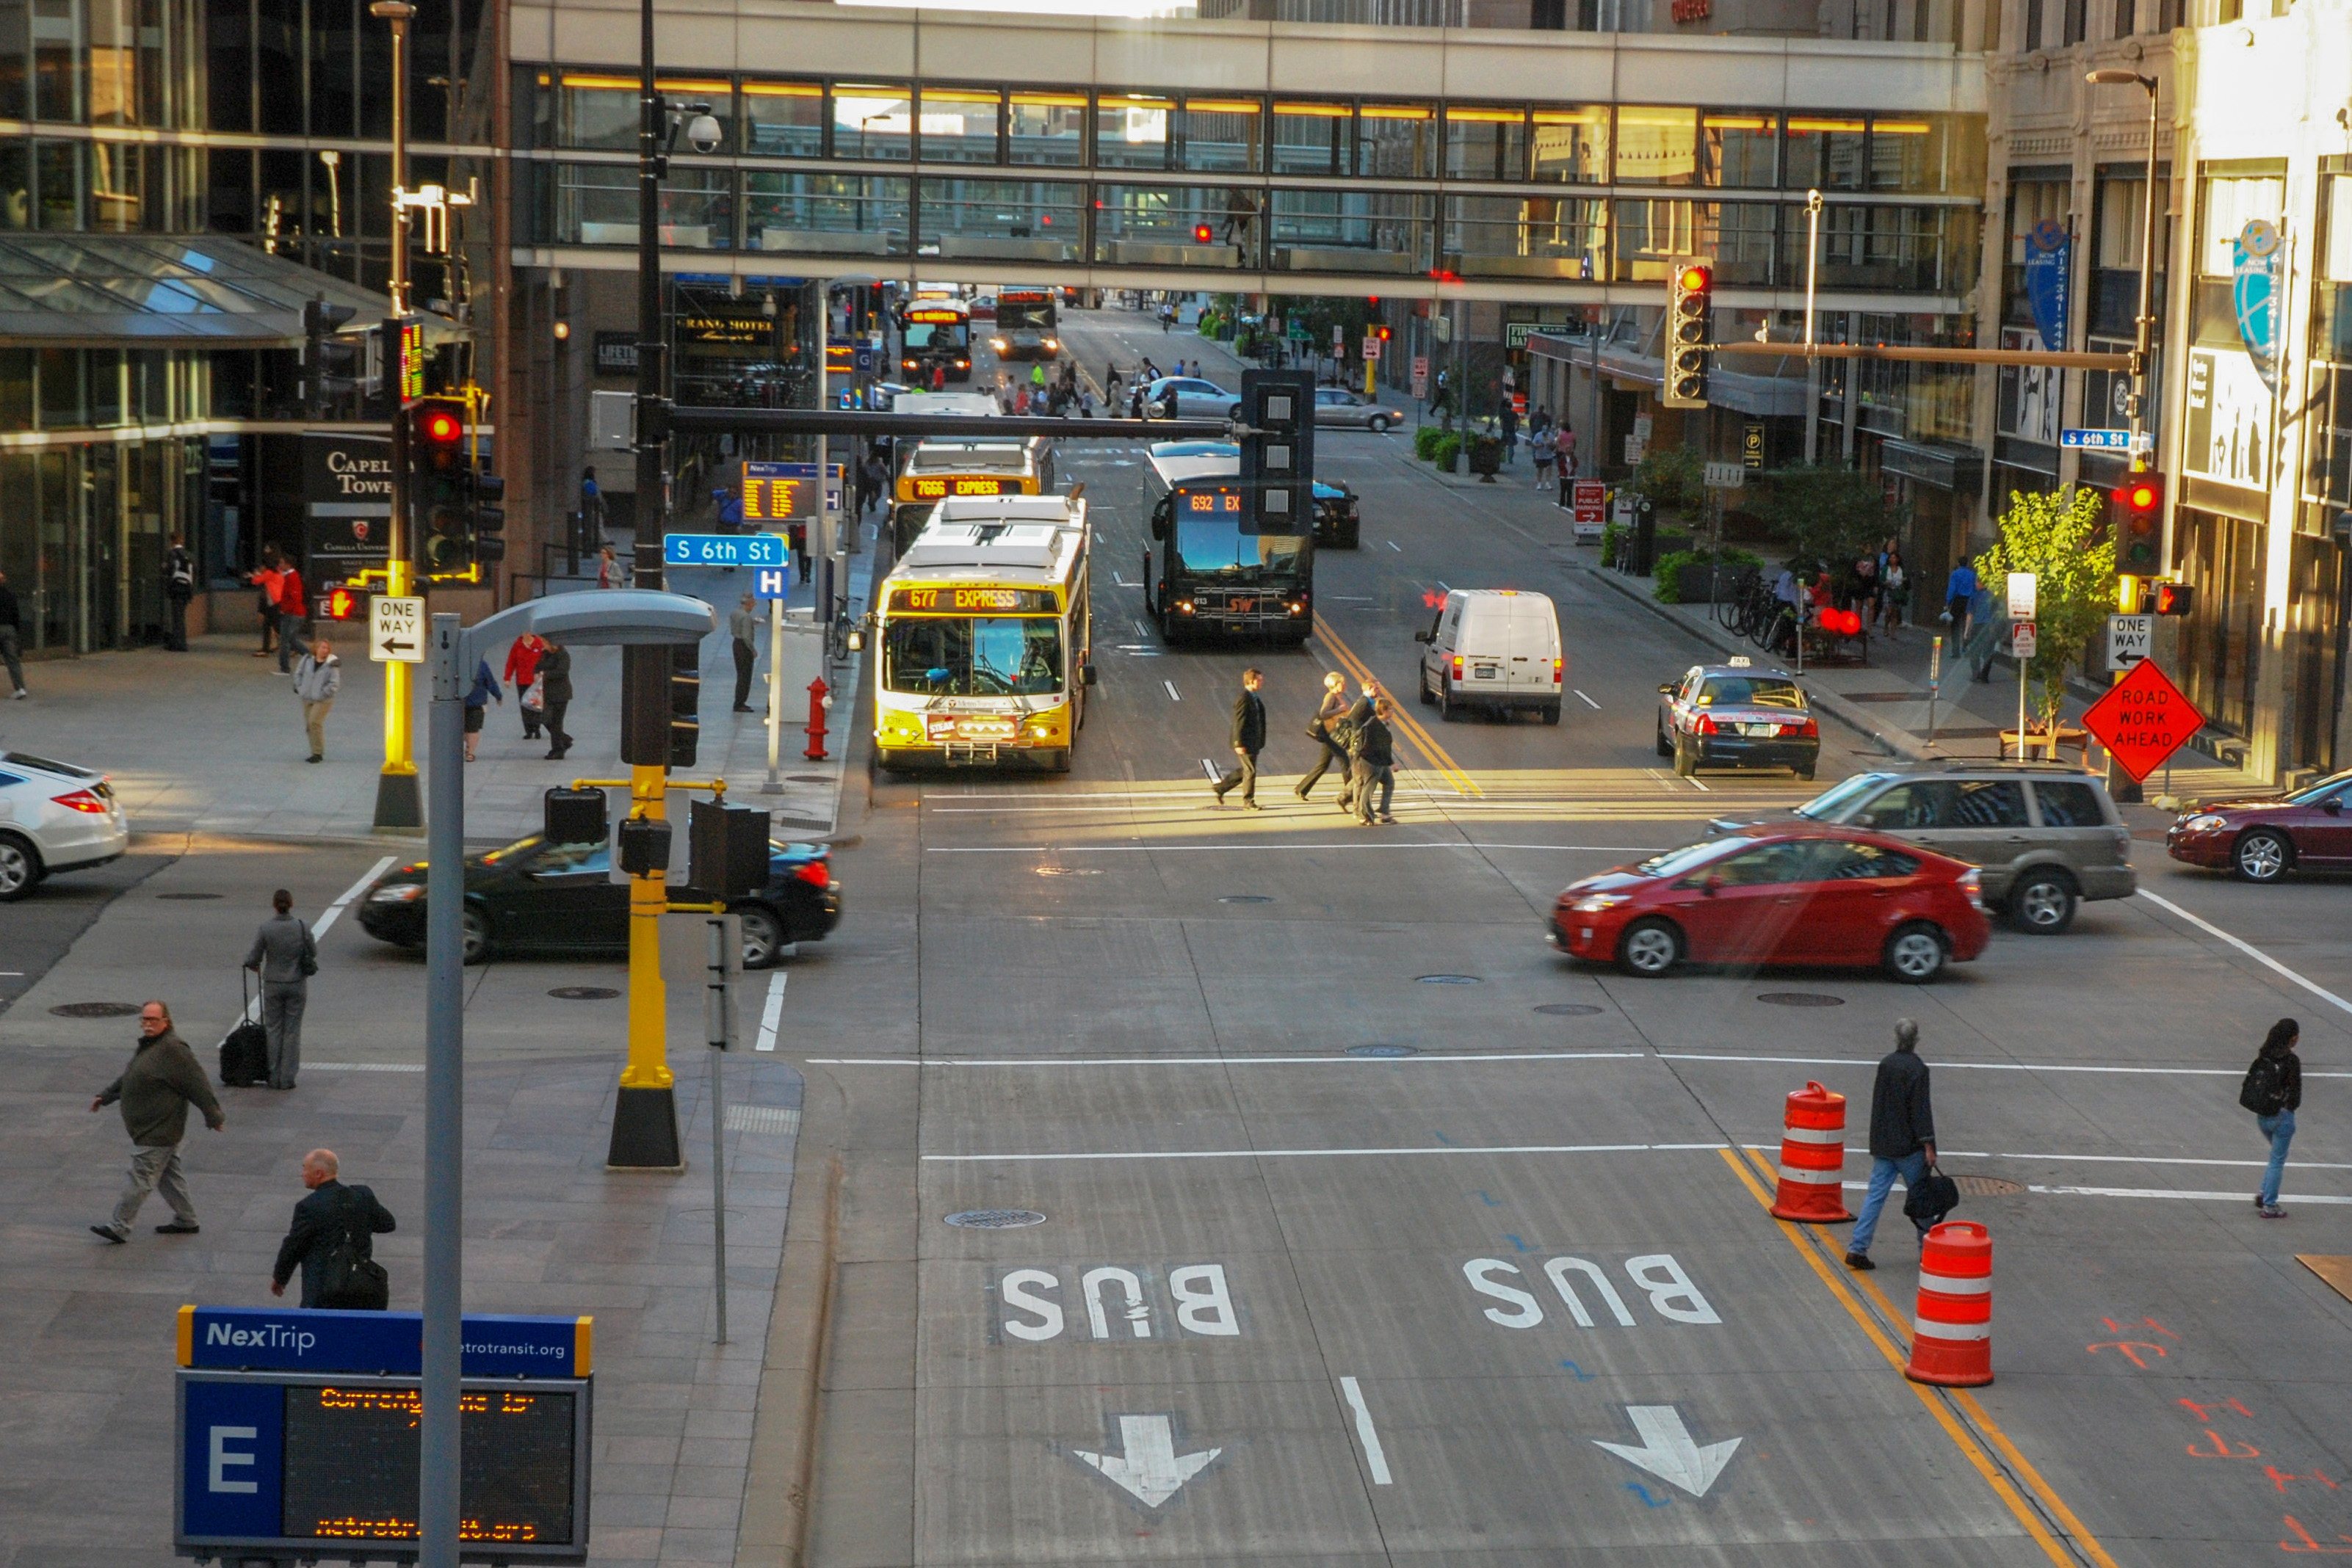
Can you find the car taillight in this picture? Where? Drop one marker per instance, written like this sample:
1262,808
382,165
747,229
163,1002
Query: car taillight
1705,725
814,873
81,800
1555,672
1457,666
1809,729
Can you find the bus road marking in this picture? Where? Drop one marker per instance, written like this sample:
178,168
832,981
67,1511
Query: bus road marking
1173,694
1376,1461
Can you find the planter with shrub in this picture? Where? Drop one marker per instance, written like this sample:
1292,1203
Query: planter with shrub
1684,575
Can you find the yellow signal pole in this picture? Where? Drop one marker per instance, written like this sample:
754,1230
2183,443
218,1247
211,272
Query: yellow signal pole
647,1066
399,803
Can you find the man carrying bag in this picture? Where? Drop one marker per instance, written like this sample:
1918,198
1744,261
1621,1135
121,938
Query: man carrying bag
332,1239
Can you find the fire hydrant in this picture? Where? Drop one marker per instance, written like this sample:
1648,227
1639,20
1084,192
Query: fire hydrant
820,699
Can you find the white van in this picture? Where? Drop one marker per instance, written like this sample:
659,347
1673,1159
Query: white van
1496,648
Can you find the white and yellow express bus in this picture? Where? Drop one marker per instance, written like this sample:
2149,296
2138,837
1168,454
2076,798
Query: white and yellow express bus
985,637
936,470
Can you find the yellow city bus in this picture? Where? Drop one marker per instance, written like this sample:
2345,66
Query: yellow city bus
985,638
936,470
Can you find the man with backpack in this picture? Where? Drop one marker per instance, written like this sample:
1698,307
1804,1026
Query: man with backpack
179,588
1902,1136
333,1240
2273,1091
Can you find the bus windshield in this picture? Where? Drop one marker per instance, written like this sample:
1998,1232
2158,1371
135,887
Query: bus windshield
1027,311
921,335
1214,543
1001,657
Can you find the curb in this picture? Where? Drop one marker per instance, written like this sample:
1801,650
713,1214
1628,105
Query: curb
1898,742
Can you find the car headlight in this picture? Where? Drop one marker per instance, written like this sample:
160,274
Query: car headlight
399,892
1597,902
2205,823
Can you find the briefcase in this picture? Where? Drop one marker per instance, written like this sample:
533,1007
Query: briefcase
245,1048
1935,1195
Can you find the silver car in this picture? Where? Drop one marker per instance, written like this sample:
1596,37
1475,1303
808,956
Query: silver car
2047,836
54,817
1338,405
1190,397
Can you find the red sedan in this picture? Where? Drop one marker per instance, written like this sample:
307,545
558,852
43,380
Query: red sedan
1796,894
2263,840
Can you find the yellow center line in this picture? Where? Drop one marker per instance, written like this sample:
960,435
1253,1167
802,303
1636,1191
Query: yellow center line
1422,740
1898,1358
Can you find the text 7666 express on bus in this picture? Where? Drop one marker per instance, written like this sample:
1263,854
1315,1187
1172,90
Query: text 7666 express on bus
984,634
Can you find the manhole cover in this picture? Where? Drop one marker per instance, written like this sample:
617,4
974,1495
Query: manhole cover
188,898
1569,1009
583,993
808,778
1802,999
996,1219
1449,979
1384,1050
1246,898
95,1010
1987,1187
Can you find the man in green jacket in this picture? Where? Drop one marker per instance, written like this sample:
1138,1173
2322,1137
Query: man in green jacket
155,1092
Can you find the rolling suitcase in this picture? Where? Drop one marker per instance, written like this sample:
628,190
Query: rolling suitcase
245,1048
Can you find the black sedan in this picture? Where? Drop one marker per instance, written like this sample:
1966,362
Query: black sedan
540,897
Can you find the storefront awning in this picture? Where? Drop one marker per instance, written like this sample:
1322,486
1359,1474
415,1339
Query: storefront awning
164,292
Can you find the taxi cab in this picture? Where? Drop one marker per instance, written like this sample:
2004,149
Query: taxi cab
1737,715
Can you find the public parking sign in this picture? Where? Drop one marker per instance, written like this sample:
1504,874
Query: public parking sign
2143,719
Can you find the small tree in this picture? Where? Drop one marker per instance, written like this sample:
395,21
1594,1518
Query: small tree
1826,513
2059,537
1670,478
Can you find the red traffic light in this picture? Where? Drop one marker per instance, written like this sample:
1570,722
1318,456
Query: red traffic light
1201,233
437,426
1695,279
2139,496
1381,333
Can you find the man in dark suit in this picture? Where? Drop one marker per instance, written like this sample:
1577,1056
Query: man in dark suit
327,1214
1249,739
555,691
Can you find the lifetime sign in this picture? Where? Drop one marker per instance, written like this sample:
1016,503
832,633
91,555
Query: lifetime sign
724,549
297,1435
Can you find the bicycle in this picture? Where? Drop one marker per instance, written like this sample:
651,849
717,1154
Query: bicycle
1731,611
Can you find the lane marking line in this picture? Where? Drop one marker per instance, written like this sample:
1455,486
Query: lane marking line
1394,545
1120,581
1956,1066
1235,1061
1375,1460
2089,1160
1210,769
1320,1153
772,1013
1173,694
1961,1438
362,1067
2250,951
1981,1420
334,911
1587,701
1697,785
1329,848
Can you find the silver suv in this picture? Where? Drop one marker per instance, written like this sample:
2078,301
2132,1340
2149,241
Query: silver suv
2047,836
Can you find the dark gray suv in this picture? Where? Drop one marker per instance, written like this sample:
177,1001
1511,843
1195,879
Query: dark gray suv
2047,836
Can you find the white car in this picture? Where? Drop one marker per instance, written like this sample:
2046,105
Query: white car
1495,648
54,817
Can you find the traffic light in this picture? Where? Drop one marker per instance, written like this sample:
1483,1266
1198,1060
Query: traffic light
661,699
1278,450
1201,233
487,516
439,483
330,364
685,703
2175,598
1690,323
1381,333
341,604
2138,541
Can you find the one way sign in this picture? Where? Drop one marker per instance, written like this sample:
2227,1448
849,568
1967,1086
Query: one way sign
396,630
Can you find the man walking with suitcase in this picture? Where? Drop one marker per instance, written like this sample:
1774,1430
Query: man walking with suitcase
285,957
1902,1135
155,1092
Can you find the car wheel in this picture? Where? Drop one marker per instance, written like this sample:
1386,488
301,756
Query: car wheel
474,926
1551,713
1686,757
1422,688
2262,856
20,867
1916,953
1665,747
1804,773
1650,948
1445,708
763,934
1377,426
2043,904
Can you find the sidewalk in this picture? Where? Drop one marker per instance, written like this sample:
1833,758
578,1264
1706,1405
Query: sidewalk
211,741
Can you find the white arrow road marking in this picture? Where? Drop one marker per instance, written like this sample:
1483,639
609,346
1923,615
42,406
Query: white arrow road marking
1668,1452
1150,1471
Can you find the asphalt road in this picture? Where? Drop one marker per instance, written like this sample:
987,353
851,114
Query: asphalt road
1373,1233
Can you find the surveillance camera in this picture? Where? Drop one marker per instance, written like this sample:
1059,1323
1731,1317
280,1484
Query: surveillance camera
703,134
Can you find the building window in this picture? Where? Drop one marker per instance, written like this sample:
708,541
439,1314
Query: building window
1048,128
959,124
1221,134
604,110
1656,145
784,119
855,214
1311,138
1570,145
1485,142
1131,130
1740,150
1827,152
872,122
1396,140
2078,15
2125,18
2031,38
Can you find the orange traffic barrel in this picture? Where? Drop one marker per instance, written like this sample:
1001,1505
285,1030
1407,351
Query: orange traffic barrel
1812,1157
1951,1342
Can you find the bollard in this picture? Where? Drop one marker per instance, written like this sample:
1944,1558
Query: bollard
1812,1157
819,700
1951,1342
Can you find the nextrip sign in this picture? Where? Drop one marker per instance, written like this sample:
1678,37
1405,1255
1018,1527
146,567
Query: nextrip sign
298,1339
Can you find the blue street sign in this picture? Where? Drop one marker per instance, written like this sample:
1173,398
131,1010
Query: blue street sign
723,549
865,360
305,1339
2097,439
772,582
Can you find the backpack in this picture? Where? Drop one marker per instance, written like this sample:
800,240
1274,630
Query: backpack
2263,1093
347,1280
182,580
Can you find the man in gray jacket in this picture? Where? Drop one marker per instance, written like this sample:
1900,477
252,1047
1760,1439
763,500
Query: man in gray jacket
155,1092
317,678
285,958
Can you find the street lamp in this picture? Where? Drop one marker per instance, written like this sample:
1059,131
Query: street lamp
1812,366
2144,323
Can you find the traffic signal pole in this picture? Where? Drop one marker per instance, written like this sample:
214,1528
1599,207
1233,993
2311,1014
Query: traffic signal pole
399,803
